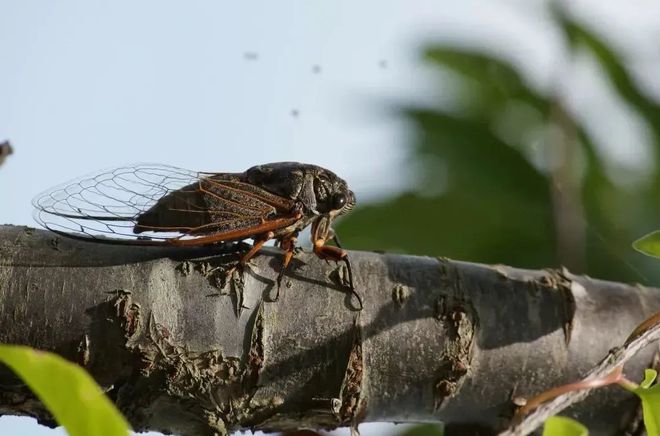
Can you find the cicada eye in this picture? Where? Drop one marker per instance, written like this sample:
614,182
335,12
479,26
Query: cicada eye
338,201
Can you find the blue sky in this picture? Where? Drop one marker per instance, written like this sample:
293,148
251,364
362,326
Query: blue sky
90,84
220,86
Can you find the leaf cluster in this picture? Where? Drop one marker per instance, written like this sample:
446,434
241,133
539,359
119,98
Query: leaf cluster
507,173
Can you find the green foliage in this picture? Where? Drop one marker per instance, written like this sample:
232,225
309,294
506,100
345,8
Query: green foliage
424,430
506,174
67,390
650,396
649,244
613,66
562,426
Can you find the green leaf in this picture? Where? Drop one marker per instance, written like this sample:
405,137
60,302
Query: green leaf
562,426
649,244
496,81
619,75
650,396
425,430
461,189
67,390
649,378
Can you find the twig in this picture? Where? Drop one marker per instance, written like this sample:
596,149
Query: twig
5,150
606,372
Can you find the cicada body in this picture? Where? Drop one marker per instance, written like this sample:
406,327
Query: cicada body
150,204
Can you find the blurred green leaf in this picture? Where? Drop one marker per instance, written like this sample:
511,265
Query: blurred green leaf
502,170
650,396
649,244
619,213
614,67
488,83
425,430
67,390
620,77
562,426
478,199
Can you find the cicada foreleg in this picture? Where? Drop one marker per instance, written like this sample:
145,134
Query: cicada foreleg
329,252
332,236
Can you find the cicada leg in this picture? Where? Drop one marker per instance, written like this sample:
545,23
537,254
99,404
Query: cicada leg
259,242
329,252
332,236
288,245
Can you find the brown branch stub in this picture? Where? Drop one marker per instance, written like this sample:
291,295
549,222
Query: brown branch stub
5,150
644,328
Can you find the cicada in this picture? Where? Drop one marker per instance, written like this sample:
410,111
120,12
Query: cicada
151,204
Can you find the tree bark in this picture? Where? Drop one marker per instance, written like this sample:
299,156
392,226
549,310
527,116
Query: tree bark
437,340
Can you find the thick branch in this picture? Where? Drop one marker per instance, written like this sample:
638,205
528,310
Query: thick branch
437,339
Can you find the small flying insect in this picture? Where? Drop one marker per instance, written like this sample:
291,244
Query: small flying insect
151,204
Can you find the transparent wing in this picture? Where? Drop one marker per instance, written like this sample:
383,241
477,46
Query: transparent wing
107,204
151,204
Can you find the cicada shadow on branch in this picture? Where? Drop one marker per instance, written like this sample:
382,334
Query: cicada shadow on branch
151,204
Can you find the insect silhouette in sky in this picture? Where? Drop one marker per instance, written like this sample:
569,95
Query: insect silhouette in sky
151,204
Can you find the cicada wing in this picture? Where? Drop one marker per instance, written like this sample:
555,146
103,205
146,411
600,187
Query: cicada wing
106,204
158,202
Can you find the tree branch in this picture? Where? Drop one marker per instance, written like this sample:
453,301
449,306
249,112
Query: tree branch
438,340
606,372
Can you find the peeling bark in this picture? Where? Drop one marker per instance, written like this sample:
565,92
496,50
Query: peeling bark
183,346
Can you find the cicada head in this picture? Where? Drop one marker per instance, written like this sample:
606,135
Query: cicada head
322,194
333,198
321,191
